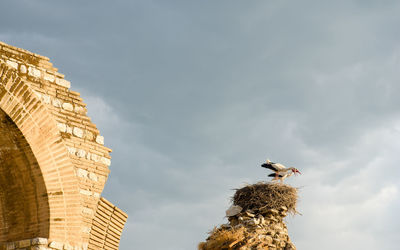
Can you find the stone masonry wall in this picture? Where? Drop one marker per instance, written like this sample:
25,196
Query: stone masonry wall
265,231
73,161
22,211
247,230
256,219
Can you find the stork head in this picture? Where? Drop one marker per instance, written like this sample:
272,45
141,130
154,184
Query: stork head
295,171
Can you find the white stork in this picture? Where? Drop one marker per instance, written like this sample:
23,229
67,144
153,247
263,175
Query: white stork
281,172
280,177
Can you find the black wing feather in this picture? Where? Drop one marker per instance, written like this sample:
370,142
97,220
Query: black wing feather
274,175
269,166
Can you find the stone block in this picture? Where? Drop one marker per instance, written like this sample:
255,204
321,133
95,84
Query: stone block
56,245
63,82
77,132
57,103
39,241
95,157
105,161
69,130
46,99
23,69
39,247
62,127
233,210
10,246
48,77
24,243
93,176
88,156
100,139
79,109
67,106
68,247
12,64
88,135
85,192
38,94
71,150
88,211
81,173
34,72
86,230
81,153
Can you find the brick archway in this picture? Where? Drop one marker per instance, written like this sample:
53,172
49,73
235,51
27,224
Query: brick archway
41,133
59,155
20,176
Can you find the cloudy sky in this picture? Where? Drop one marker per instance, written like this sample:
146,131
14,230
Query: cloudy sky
193,95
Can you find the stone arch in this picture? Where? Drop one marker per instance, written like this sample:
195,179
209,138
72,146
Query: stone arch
54,169
57,159
20,176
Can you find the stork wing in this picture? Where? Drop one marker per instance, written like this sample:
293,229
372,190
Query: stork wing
273,175
279,167
269,166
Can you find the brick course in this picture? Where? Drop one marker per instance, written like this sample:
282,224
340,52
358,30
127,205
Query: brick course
54,162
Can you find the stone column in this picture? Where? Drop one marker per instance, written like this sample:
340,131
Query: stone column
256,219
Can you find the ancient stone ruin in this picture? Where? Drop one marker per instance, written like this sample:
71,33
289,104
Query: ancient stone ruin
256,219
53,162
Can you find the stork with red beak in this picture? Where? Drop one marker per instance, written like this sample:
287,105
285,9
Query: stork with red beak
281,172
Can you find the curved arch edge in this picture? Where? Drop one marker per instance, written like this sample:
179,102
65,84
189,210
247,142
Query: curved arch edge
39,128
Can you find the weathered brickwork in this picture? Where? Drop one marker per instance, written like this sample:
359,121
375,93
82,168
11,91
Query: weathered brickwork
21,218
53,162
107,226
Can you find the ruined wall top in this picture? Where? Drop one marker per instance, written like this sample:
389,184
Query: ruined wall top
72,161
256,219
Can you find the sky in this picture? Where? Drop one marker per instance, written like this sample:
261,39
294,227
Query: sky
192,96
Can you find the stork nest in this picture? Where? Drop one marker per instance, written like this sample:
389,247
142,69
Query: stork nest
261,196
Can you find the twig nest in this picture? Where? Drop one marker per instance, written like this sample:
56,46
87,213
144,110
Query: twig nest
262,197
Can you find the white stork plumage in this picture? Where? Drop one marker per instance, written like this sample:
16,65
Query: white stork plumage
281,172
280,177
